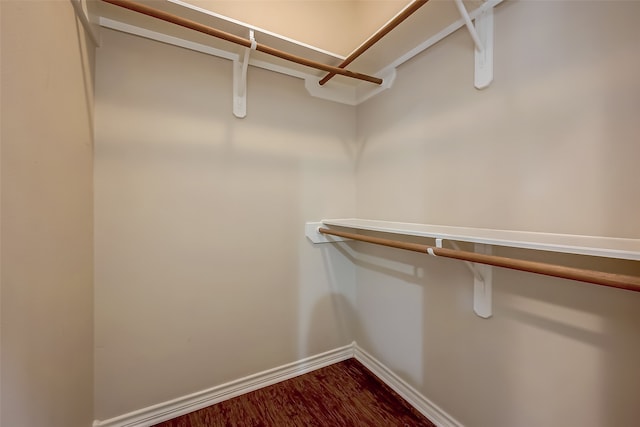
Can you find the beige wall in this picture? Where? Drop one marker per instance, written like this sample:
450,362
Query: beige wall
551,146
203,274
47,250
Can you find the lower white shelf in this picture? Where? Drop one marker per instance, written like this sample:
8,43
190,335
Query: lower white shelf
480,261
608,247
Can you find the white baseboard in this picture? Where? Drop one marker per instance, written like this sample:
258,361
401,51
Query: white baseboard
183,405
426,407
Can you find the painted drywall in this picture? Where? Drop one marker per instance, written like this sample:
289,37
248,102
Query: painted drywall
203,274
47,216
551,146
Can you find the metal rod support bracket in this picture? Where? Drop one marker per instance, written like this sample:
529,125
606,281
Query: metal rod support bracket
240,80
482,284
482,35
482,280
484,59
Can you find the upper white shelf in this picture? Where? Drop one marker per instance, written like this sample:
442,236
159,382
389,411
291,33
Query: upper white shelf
608,247
427,26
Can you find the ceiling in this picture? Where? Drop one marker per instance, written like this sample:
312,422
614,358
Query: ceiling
337,26
321,30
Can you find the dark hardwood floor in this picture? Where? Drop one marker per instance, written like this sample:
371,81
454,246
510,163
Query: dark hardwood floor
342,394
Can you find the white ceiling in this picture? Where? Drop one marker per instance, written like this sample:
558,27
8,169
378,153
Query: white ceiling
337,26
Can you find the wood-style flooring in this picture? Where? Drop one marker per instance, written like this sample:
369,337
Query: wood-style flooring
342,394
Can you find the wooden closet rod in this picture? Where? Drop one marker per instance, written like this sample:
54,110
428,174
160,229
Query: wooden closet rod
404,14
631,283
165,16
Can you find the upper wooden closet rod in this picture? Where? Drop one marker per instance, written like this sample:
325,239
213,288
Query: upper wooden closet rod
620,281
404,14
159,14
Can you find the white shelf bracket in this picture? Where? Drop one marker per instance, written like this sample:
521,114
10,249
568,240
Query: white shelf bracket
240,80
482,285
484,58
482,281
482,35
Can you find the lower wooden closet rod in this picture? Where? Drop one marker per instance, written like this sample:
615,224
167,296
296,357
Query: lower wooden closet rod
196,26
631,283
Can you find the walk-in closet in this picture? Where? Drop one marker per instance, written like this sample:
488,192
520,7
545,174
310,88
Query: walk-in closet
203,198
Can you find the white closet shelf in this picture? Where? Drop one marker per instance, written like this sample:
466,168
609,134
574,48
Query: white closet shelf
427,26
608,247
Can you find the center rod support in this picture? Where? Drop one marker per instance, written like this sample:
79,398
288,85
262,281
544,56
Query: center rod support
196,26
631,283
